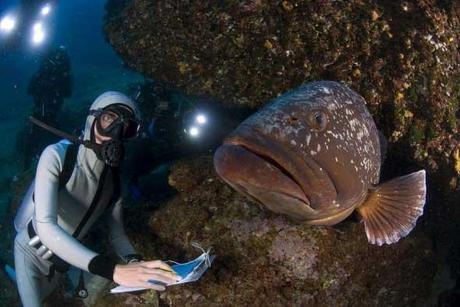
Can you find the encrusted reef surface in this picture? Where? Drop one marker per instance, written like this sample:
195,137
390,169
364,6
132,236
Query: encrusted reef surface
265,260
402,56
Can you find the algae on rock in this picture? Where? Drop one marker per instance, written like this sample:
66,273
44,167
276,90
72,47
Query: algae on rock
264,259
402,57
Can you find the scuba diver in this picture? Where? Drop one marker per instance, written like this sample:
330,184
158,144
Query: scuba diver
76,183
163,139
160,141
51,84
175,125
163,108
48,86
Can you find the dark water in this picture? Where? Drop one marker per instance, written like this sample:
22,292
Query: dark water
95,68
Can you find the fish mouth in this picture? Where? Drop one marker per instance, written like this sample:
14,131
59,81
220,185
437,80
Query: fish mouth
284,178
270,160
260,167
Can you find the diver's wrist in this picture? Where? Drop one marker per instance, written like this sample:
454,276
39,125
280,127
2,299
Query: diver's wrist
103,266
133,258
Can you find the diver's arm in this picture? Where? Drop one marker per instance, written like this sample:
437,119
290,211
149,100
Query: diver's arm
70,249
118,237
50,233
135,273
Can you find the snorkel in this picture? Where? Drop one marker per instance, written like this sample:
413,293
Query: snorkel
111,152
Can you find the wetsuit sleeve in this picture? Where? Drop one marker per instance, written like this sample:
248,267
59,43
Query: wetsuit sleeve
50,233
118,237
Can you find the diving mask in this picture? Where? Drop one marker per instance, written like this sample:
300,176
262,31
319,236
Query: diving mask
111,152
117,122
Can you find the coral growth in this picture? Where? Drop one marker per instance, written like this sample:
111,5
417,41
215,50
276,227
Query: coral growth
294,254
402,57
265,260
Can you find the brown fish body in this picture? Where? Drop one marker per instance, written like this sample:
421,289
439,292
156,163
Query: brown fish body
313,154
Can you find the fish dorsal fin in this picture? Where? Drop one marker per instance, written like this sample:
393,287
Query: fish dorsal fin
392,208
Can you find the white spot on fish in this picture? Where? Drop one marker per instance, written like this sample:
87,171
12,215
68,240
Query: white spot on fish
308,139
293,142
325,90
312,152
318,148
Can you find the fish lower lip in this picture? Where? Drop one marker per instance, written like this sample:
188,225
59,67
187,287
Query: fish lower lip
272,161
248,191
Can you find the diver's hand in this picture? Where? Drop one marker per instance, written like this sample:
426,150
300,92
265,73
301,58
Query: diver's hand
138,274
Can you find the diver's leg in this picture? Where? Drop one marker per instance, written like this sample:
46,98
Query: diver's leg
33,285
27,277
48,285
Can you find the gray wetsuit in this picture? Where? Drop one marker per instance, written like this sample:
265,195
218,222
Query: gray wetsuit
63,216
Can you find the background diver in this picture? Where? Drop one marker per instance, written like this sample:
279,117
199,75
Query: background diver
48,87
174,125
48,242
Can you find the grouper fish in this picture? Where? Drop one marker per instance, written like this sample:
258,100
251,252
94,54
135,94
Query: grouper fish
314,154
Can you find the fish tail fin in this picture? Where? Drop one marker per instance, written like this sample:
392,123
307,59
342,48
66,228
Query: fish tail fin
392,208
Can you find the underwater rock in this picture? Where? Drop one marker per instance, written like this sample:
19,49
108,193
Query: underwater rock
402,57
247,52
265,260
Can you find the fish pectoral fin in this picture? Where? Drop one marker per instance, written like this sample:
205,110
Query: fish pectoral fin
392,208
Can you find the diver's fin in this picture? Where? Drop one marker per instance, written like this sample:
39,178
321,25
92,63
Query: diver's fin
392,208
11,273
8,270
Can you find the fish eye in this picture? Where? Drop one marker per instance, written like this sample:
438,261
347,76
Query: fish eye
317,120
